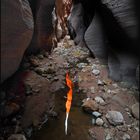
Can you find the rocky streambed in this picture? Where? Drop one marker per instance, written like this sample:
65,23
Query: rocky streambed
35,108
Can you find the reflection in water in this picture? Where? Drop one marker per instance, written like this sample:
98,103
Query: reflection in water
79,123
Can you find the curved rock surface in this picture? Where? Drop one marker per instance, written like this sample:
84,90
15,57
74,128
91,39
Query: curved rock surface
16,34
110,30
76,23
43,31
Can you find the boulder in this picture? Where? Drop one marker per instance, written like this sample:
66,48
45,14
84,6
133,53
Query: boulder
115,118
16,34
90,105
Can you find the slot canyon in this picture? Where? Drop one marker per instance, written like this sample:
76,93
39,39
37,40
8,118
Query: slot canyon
69,70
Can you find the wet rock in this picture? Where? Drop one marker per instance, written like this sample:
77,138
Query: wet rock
17,137
96,114
99,100
96,72
135,110
135,136
115,117
90,106
99,122
126,137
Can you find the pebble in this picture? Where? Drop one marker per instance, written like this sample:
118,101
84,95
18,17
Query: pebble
92,89
40,56
109,91
108,137
96,72
115,117
17,137
126,137
94,66
99,122
96,114
105,125
89,60
81,65
100,83
115,85
93,121
126,109
99,100
39,71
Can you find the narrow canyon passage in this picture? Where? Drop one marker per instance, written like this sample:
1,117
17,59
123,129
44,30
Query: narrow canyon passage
93,92
96,43
91,83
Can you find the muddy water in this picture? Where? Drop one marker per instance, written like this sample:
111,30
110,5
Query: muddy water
78,123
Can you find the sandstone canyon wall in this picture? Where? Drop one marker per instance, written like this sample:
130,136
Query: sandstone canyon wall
16,33
110,31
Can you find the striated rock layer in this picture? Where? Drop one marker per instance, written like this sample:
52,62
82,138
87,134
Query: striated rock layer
110,30
16,34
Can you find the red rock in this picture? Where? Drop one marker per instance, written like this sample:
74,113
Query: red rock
90,106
